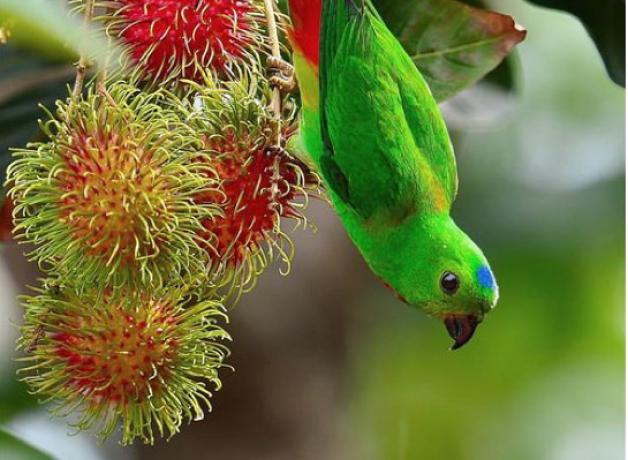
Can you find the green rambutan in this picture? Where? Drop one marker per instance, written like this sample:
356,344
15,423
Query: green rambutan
177,38
260,184
109,200
143,362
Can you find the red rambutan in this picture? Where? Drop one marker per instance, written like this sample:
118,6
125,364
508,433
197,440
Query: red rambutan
259,184
177,38
139,362
250,210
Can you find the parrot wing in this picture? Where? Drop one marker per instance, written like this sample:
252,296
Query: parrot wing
386,150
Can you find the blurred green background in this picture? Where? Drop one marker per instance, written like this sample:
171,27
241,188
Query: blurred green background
330,366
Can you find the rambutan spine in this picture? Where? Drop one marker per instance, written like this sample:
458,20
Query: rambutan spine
141,363
179,39
125,334
109,199
260,183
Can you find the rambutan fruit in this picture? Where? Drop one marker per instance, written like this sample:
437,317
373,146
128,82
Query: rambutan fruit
109,200
259,184
175,38
144,363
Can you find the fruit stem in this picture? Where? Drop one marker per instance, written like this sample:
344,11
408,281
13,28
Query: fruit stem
102,90
276,99
276,52
83,63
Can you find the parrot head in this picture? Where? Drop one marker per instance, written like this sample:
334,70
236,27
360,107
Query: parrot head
448,277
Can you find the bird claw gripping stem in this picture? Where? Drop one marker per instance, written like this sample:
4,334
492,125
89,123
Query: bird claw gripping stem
281,74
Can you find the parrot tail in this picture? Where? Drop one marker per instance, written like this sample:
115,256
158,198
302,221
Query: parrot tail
306,23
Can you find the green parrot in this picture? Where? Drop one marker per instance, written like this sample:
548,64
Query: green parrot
374,132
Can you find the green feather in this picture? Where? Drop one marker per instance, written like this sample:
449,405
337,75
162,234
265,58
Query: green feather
373,95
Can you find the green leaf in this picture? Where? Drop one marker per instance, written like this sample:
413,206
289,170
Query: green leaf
13,448
605,21
454,45
48,27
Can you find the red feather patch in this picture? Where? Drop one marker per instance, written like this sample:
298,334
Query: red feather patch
306,22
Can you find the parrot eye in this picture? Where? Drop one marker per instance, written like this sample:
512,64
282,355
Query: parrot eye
449,283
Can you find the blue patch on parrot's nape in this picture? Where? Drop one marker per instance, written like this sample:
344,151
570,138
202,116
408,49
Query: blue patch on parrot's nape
485,277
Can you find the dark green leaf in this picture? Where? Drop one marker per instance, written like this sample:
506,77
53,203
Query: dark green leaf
605,20
453,44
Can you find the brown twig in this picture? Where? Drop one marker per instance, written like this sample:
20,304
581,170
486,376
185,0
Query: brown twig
101,88
275,104
83,63
276,52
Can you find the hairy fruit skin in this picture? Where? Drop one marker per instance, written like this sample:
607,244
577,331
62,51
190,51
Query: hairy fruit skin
178,38
137,362
150,208
250,211
259,184
108,200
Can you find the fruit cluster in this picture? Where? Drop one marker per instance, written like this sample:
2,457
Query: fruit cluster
150,210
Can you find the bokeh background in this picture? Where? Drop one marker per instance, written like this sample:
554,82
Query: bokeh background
330,366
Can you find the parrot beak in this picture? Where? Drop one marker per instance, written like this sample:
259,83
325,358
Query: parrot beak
461,328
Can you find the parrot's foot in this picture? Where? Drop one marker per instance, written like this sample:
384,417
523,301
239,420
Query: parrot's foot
281,74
